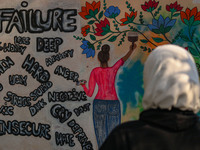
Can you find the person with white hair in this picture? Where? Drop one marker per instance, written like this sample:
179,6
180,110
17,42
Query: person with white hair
170,101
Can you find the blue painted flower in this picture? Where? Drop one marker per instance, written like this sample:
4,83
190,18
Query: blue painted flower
161,26
88,49
112,12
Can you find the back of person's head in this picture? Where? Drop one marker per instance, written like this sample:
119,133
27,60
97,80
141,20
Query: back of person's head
171,80
104,55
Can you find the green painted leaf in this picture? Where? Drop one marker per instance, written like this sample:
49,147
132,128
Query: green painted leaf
176,15
129,19
88,16
149,10
115,15
105,29
172,10
104,33
92,37
186,21
158,40
196,59
166,30
93,28
91,22
185,38
162,29
91,46
196,23
95,11
112,39
91,13
87,31
145,49
191,20
157,31
144,41
193,51
100,14
126,22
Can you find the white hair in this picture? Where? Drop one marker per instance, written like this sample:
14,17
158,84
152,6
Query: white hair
171,79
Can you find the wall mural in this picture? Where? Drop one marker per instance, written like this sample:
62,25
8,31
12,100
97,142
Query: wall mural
49,49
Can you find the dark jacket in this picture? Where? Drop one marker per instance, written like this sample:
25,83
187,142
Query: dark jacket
157,130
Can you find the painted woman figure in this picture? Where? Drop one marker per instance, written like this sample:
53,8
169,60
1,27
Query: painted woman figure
106,105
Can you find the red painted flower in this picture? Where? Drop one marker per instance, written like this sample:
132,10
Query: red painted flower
190,17
150,6
102,28
85,30
128,18
90,10
174,7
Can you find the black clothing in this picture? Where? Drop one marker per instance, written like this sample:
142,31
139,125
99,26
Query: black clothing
157,130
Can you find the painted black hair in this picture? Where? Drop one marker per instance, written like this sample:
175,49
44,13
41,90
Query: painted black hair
104,54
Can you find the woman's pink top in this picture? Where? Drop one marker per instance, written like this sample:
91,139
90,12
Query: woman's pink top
105,79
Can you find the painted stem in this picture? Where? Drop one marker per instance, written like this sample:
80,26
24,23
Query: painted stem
117,21
139,24
152,15
167,38
111,35
102,39
171,15
146,38
96,19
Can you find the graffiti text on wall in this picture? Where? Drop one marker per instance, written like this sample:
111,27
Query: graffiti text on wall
5,64
33,22
25,128
67,96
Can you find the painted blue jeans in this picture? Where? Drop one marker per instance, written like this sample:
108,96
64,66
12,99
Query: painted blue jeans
106,116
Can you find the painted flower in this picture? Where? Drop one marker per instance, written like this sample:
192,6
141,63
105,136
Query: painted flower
90,10
103,27
85,30
150,6
128,18
190,17
173,7
112,12
161,26
88,49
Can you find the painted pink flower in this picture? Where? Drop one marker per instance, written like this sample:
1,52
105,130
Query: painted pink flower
103,27
174,7
150,5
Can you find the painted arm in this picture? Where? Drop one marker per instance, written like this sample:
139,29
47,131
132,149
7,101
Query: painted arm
131,49
91,85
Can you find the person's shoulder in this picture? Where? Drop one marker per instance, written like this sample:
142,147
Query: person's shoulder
96,69
119,61
121,135
198,126
130,125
